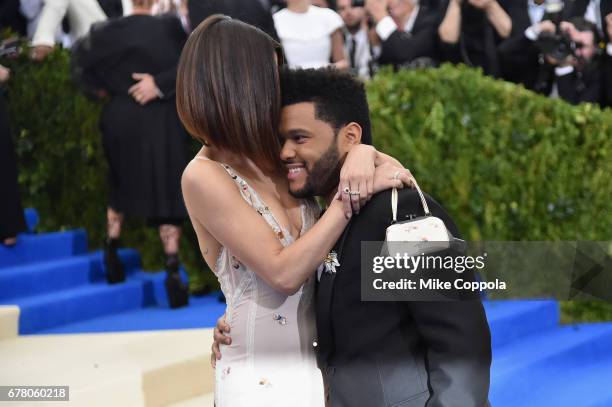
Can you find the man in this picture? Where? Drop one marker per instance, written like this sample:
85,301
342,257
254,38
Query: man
374,353
254,12
599,12
356,40
407,31
577,77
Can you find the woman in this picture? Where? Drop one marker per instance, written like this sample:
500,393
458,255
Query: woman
262,244
133,60
311,36
472,30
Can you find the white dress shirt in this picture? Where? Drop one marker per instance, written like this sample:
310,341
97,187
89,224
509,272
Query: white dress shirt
387,25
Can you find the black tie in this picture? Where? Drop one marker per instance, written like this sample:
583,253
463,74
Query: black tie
352,52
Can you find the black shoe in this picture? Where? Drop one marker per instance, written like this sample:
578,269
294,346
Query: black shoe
112,262
176,290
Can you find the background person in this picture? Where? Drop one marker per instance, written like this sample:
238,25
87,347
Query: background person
472,30
255,12
360,52
407,31
311,36
134,60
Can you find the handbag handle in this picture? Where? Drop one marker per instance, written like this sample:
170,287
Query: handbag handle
395,197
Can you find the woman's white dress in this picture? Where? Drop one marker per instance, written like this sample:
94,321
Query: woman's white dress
271,360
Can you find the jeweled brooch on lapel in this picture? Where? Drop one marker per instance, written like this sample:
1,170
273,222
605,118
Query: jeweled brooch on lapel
331,262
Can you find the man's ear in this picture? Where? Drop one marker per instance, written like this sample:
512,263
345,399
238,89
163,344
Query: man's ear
351,134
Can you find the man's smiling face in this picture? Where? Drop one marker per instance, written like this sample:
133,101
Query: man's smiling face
310,151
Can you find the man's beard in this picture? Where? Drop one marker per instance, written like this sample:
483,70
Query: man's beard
324,176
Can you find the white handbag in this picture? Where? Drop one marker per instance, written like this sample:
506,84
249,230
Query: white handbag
419,236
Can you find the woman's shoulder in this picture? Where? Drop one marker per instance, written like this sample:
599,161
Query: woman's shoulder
329,16
208,178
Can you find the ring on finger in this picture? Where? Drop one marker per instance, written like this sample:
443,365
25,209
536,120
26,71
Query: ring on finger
346,190
354,193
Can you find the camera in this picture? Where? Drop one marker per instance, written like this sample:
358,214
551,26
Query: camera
9,47
358,3
557,46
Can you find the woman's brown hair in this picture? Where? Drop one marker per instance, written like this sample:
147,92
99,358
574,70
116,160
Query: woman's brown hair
227,89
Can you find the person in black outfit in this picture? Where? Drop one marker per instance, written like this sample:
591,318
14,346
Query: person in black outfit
375,353
407,31
471,31
254,12
134,60
12,220
578,8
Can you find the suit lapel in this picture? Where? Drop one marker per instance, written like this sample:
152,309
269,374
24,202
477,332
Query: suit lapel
325,293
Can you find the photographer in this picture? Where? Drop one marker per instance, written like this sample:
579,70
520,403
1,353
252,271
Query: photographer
472,30
572,50
407,31
520,57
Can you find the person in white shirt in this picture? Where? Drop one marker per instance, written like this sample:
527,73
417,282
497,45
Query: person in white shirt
311,36
359,51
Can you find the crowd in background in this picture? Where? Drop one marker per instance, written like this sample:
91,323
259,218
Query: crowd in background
127,51
554,47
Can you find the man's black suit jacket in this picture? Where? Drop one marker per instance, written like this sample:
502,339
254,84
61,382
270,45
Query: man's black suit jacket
402,47
400,354
250,11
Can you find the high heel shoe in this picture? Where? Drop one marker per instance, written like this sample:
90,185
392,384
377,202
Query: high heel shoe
176,290
112,262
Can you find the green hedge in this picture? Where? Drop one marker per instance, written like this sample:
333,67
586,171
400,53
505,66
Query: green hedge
507,164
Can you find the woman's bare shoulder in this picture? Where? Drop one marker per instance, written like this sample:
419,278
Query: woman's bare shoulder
206,179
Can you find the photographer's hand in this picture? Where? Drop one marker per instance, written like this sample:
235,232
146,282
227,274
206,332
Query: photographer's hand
5,74
40,52
145,90
377,9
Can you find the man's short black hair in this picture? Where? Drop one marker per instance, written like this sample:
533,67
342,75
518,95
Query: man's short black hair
583,25
339,98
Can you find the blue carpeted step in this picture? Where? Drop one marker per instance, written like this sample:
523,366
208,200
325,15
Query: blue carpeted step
55,275
31,218
202,312
545,367
154,287
46,246
513,320
77,304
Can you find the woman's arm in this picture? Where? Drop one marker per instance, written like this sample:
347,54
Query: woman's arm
450,28
338,55
498,17
213,200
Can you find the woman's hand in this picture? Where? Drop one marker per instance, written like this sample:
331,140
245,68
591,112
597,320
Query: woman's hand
389,176
357,177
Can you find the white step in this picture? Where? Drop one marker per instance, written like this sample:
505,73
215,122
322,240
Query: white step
139,369
9,321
